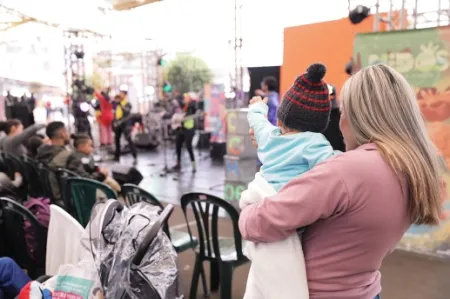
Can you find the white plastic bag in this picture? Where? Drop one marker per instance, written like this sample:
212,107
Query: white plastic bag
77,282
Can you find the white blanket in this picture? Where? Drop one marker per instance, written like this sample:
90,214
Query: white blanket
278,268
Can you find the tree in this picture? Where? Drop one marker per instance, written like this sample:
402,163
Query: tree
95,80
188,73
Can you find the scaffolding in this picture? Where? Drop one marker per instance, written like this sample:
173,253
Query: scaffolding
237,79
407,14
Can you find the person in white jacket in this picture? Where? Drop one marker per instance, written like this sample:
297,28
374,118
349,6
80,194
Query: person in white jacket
286,151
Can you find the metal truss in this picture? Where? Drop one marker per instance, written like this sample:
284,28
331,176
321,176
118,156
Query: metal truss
407,14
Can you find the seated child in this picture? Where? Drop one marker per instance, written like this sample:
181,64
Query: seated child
82,162
286,151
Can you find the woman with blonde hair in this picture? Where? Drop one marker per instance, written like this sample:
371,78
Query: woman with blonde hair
358,205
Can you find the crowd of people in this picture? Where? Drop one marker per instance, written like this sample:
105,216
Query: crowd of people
330,217
53,150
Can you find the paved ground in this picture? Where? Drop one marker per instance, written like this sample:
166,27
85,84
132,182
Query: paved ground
405,275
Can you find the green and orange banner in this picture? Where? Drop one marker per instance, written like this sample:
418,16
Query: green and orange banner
423,57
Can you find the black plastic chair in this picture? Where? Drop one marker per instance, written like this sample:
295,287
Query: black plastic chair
50,183
84,195
222,252
36,187
180,240
62,175
12,217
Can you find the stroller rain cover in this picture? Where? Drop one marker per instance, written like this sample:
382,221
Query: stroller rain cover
112,238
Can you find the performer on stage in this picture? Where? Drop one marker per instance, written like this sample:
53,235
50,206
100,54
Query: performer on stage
186,131
106,116
269,90
122,124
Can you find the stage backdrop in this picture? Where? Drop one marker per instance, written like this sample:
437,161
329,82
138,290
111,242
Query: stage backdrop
215,108
422,56
258,73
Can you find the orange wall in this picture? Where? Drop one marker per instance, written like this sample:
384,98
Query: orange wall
329,42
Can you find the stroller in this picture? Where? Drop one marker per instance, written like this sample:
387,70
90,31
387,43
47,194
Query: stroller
133,256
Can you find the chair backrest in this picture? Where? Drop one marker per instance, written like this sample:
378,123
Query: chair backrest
84,194
62,176
3,165
13,216
14,165
36,187
206,212
134,194
50,182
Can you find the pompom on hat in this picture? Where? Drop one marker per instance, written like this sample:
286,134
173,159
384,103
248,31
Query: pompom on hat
306,105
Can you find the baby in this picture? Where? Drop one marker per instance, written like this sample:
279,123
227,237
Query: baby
286,151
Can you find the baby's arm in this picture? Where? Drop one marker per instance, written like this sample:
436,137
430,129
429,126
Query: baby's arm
257,119
318,152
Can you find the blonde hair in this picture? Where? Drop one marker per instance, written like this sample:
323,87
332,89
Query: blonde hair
381,107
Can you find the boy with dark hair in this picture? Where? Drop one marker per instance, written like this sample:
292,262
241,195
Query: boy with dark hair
82,162
57,132
55,154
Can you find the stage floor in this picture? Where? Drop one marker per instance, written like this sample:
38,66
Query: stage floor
404,275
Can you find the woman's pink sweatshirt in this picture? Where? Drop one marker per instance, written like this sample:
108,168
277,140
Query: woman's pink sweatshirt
355,210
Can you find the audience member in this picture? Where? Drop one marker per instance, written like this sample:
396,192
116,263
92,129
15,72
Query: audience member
55,153
16,136
12,278
82,162
358,205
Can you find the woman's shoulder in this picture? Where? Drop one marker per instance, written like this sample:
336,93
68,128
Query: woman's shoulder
360,166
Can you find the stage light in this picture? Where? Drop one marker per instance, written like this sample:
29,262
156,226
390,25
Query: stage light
79,54
358,14
123,87
84,107
162,62
167,87
149,90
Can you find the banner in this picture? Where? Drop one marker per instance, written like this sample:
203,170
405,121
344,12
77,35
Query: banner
422,56
215,108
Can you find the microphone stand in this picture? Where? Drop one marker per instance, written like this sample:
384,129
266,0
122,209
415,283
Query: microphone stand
165,171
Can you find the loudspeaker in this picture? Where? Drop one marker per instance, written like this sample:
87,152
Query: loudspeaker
124,174
218,151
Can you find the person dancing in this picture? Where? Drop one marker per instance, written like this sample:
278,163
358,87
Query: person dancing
122,111
105,118
185,133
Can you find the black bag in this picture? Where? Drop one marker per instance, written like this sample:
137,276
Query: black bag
125,174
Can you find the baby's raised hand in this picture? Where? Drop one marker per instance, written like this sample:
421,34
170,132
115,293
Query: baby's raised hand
258,99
